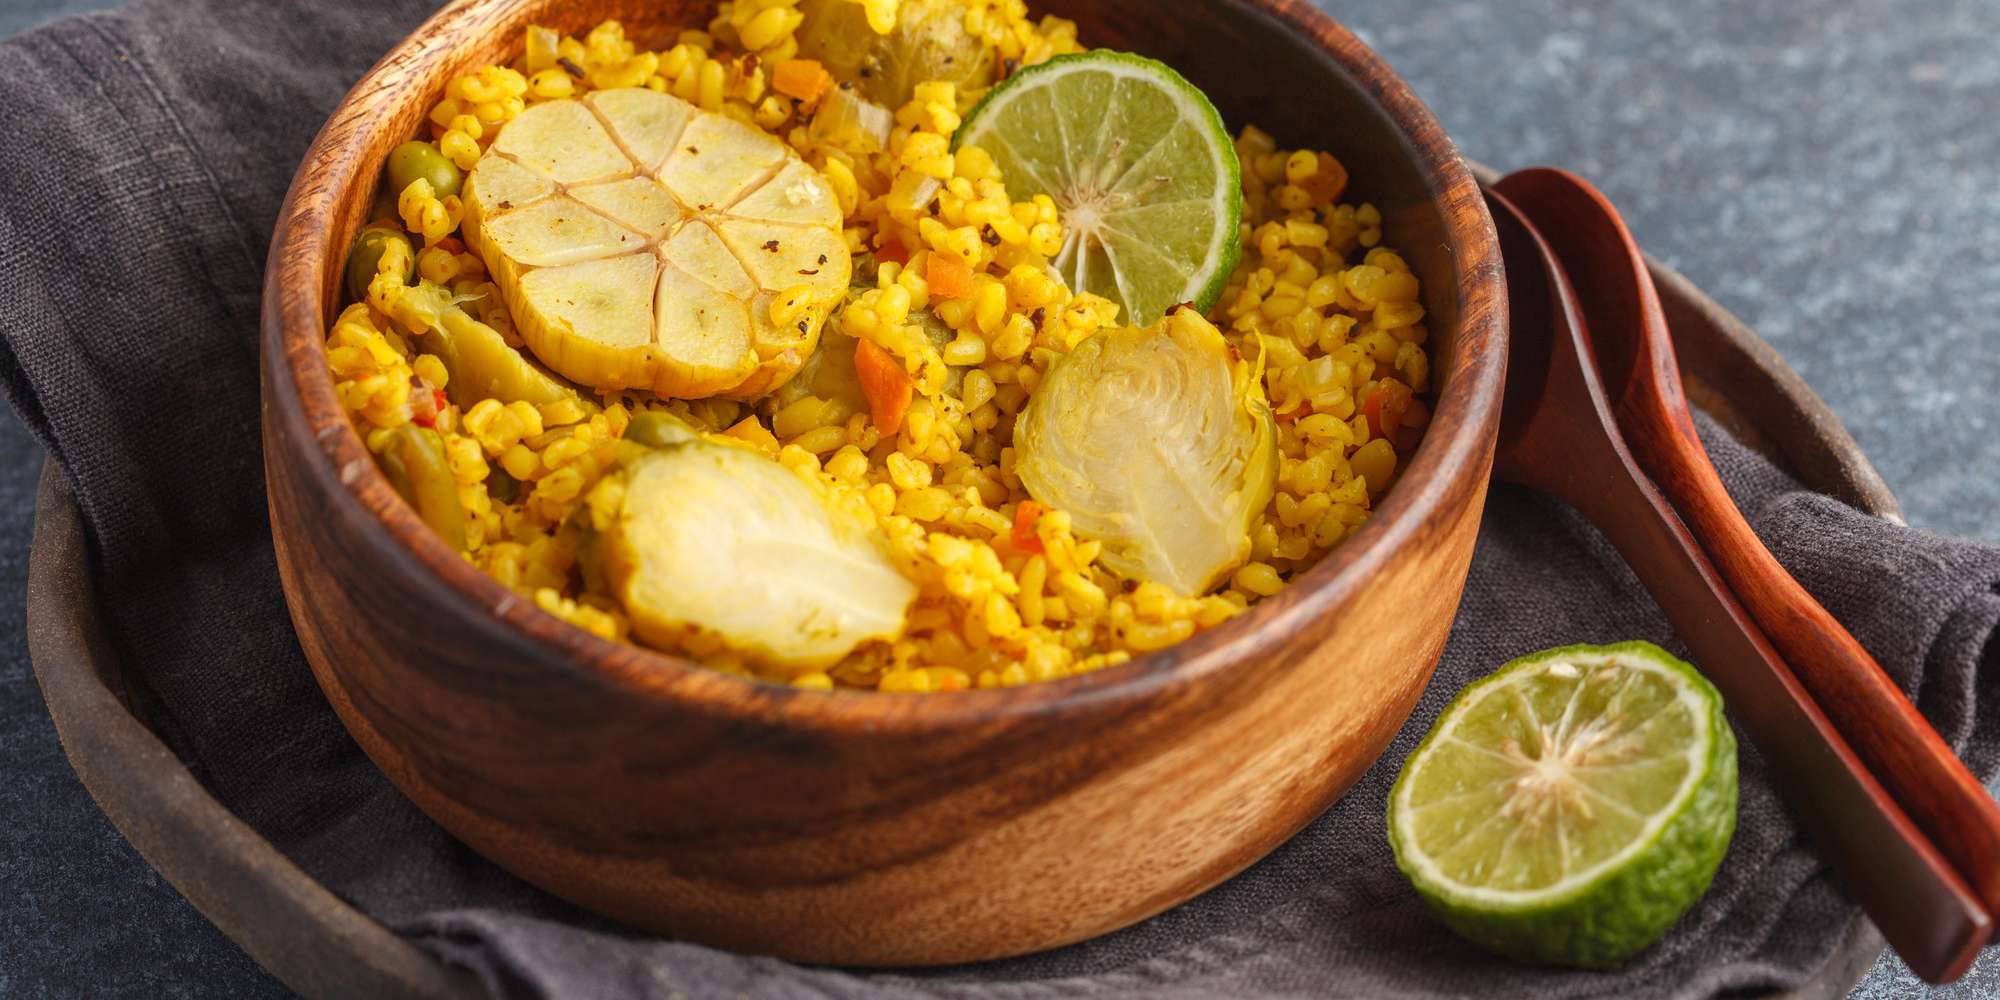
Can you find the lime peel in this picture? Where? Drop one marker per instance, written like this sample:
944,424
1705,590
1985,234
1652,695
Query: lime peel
1151,214
1500,789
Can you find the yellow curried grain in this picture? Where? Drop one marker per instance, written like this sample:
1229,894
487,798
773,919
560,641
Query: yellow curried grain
1005,597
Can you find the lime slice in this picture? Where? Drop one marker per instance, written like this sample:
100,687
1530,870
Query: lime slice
1569,808
1138,163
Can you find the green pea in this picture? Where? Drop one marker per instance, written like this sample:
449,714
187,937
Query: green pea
655,429
413,160
416,466
366,258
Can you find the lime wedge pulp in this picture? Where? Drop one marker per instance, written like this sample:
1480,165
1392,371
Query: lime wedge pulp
1140,167
1569,808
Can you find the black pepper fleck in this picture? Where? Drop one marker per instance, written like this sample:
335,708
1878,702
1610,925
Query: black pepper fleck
771,245
569,66
988,234
1037,316
808,271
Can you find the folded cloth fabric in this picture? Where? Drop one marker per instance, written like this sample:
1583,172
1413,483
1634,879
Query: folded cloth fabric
147,154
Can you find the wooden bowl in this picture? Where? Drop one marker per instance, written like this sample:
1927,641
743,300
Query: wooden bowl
862,828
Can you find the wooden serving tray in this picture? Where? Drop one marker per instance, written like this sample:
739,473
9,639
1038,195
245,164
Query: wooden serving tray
319,945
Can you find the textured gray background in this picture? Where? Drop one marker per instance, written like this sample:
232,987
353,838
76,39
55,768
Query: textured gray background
1825,168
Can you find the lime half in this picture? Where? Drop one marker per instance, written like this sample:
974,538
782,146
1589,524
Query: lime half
1140,166
1569,808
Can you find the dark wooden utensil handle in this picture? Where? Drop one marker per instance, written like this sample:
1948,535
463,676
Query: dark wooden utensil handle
1558,435
1635,348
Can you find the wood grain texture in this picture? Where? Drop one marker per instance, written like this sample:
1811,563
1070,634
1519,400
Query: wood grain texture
1558,435
854,827
1636,351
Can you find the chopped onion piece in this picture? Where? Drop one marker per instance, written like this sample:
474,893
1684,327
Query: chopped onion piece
850,122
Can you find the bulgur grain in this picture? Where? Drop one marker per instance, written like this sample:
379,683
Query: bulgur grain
1333,315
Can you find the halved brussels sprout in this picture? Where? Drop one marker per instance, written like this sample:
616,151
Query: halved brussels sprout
415,463
1160,444
928,43
479,360
706,544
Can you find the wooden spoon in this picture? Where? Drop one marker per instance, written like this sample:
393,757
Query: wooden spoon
1635,355
1558,435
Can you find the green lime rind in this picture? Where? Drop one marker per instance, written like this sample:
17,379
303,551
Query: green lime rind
1622,908
1154,246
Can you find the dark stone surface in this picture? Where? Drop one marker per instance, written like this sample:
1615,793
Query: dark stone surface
81,914
1826,170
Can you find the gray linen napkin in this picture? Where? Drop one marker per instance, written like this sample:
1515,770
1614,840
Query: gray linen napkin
144,158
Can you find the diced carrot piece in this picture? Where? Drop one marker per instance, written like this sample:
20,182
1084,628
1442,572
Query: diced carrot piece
893,252
1025,517
1328,183
948,276
1386,406
804,79
886,385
